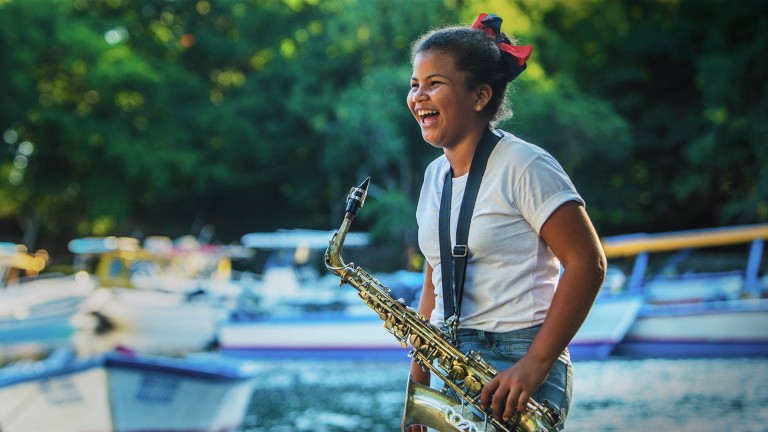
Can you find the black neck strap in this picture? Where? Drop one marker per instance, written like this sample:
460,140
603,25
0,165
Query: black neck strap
453,261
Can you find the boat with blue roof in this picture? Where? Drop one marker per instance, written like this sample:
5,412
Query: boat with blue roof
685,294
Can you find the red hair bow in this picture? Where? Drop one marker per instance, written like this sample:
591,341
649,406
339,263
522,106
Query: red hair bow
491,25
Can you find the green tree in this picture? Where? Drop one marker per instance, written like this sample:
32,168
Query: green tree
249,115
685,76
155,117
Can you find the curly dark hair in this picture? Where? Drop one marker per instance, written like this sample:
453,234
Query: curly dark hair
476,54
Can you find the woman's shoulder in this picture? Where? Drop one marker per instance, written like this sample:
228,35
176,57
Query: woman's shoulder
516,151
518,157
518,146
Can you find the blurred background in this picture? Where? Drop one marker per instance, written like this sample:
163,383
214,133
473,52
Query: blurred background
150,148
217,118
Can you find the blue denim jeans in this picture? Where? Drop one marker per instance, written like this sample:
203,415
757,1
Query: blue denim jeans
502,350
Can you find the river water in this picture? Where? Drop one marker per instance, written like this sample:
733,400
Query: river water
615,395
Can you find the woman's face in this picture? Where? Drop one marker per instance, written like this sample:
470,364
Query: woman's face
440,101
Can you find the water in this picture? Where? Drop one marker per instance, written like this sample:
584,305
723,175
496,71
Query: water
616,395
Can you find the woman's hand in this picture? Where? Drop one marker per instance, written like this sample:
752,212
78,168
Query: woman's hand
415,428
511,389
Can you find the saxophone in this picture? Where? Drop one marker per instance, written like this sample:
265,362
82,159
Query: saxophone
465,374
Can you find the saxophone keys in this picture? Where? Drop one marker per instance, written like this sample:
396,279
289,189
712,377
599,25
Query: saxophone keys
457,371
416,341
387,323
472,385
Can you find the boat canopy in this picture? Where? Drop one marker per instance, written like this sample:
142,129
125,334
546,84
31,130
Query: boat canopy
300,238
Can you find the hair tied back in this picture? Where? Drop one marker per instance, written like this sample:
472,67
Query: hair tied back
514,55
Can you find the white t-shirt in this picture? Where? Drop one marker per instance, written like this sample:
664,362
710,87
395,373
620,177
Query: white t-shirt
511,273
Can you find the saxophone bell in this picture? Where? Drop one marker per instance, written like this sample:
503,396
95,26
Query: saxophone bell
429,407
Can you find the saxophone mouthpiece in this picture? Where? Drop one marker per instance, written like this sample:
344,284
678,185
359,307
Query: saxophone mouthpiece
356,198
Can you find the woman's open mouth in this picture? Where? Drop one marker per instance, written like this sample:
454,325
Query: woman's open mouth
427,117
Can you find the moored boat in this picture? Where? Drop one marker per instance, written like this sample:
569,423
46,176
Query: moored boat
38,311
296,313
336,335
690,313
159,297
124,391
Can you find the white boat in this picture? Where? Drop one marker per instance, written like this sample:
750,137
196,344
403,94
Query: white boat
332,335
40,308
38,312
722,328
295,312
162,297
121,391
718,313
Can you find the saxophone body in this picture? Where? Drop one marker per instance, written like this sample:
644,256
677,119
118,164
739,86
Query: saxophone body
465,374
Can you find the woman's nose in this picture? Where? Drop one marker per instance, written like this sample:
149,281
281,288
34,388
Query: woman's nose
417,95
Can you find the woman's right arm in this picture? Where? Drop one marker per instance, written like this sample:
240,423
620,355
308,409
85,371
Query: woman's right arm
426,304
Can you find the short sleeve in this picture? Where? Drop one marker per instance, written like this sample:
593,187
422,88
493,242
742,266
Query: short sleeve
543,187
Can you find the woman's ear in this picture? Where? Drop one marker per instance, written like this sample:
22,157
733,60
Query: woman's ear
482,96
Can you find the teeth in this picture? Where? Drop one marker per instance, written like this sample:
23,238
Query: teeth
425,112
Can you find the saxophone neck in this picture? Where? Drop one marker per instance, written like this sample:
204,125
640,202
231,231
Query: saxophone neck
333,260
355,200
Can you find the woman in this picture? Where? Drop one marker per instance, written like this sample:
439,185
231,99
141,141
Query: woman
516,309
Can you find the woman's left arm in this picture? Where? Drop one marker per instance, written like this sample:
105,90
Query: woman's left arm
570,235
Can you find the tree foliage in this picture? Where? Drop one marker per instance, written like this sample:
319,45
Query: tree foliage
158,117
686,77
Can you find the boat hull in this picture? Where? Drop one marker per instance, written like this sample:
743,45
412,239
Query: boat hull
616,326
159,322
58,394
731,328
177,395
332,336
605,326
125,392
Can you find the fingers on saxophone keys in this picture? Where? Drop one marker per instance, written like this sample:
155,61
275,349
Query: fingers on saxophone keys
487,393
499,401
515,399
509,408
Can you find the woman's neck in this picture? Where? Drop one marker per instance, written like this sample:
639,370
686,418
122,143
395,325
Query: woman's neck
460,155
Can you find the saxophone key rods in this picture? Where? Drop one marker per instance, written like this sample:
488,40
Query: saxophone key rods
464,374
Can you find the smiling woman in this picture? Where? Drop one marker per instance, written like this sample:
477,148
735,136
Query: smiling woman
497,289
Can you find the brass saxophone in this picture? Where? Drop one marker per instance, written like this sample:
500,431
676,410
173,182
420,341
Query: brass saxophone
465,374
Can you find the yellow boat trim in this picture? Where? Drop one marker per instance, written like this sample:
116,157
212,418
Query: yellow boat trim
629,245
